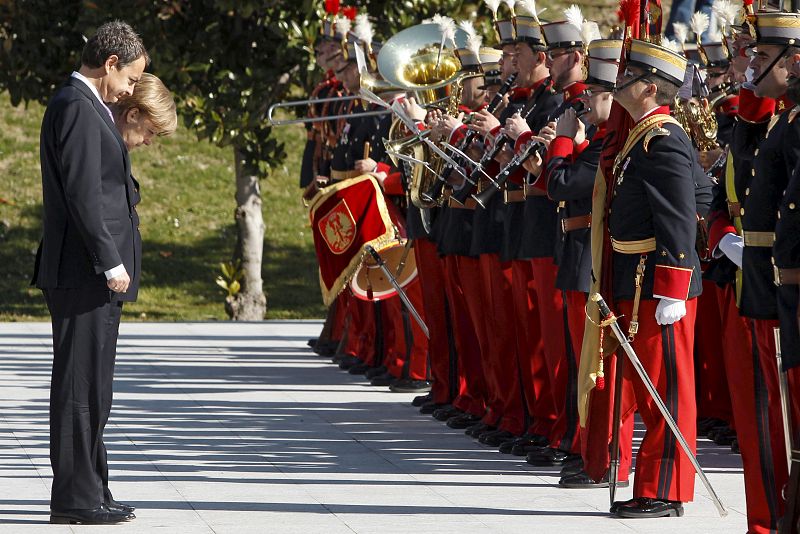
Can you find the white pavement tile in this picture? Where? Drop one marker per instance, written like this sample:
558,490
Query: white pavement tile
239,428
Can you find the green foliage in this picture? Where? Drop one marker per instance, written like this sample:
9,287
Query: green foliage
232,274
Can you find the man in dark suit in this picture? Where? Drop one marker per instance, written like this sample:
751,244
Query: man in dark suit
87,266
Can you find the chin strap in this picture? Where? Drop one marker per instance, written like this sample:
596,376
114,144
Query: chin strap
771,65
628,84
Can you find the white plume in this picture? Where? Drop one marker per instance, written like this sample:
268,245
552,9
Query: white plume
699,24
363,30
681,32
343,25
669,44
715,34
493,6
474,41
529,6
590,31
574,16
726,12
448,27
510,4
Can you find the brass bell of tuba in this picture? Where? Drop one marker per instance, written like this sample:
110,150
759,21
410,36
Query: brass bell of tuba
415,61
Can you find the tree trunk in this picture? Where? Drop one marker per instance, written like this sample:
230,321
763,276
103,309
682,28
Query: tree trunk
250,304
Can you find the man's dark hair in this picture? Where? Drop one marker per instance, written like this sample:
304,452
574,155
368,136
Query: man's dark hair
666,91
115,38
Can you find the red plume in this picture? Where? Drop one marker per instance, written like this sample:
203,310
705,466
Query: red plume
350,12
332,7
628,12
748,2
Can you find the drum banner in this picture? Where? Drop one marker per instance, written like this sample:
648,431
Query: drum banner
345,218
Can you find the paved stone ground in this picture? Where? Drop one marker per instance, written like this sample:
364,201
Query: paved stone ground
239,428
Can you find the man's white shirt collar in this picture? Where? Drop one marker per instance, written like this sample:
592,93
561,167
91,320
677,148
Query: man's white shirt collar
78,76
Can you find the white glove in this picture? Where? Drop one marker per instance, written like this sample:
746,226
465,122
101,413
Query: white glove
732,246
670,310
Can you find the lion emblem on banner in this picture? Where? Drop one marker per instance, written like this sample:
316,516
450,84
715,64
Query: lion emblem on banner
338,228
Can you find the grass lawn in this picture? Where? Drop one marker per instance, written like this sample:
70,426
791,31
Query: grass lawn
187,226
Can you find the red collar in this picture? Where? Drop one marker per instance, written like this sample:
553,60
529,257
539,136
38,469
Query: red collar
729,106
600,133
466,110
662,110
524,93
572,92
782,103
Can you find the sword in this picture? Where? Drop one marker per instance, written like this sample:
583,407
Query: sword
607,315
400,292
785,401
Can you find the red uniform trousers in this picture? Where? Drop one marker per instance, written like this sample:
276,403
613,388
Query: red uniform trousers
405,342
596,435
769,423
713,396
552,321
442,360
750,409
360,341
339,317
540,412
462,273
663,471
501,362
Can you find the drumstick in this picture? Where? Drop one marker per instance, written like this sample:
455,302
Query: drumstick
366,150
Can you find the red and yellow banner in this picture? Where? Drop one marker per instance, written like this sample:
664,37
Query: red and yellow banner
345,218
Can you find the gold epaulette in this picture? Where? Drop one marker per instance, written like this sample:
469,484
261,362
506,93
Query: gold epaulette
655,132
793,113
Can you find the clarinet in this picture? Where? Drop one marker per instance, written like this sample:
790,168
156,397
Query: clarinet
437,187
516,162
502,139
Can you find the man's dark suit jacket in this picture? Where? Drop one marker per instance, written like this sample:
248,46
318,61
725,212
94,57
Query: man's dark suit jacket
90,224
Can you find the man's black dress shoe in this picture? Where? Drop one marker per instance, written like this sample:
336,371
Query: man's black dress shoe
572,467
476,429
646,507
385,379
735,447
97,516
375,371
549,457
497,438
465,420
407,385
348,361
581,480
419,400
359,368
707,423
312,342
528,443
116,506
430,407
725,437
446,412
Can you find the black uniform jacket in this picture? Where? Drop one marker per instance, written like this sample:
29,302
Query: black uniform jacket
654,196
571,184
90,224
786,253
358,131
315,150
541,217
774,159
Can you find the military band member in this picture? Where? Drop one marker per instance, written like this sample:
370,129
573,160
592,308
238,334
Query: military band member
651,214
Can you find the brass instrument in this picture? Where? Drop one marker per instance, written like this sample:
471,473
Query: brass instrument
415,61
302,120
698,119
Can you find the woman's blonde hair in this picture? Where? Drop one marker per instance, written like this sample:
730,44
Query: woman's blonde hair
154,101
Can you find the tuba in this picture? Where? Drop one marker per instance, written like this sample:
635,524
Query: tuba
414,60
698,119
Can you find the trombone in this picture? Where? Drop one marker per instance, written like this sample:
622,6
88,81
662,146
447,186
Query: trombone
303,120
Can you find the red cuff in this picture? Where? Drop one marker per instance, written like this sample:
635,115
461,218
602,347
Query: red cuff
383,167
722,225
753,108
457,135
393,185
421,126
561,147
581,147
522,139
672,282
